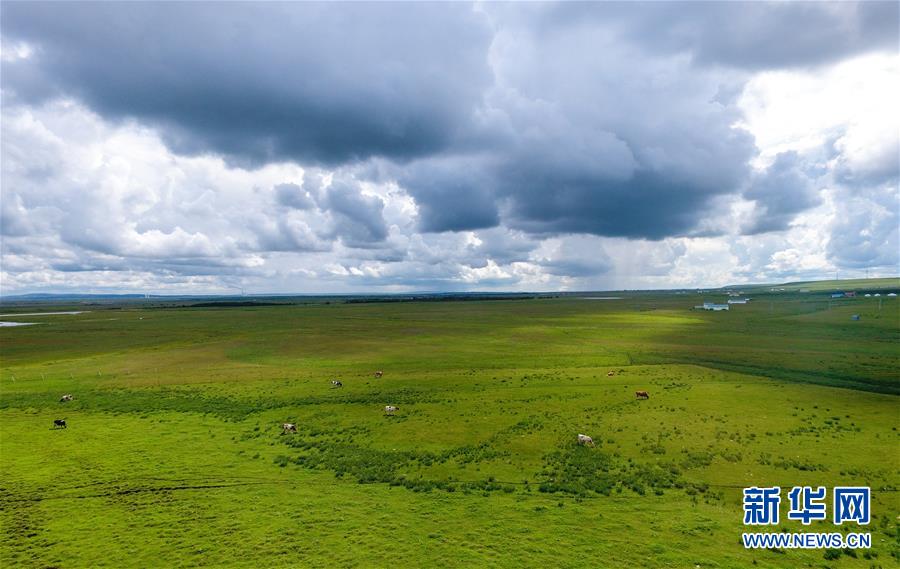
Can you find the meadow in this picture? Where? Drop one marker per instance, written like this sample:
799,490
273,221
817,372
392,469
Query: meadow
174,456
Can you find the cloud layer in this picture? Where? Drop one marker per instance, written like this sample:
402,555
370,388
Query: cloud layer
331,147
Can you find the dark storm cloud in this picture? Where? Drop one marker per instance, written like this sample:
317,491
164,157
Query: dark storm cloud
577,267
455,194
577,257
749,35
502,246
285,234
648,205
613,119
780,193
294,196
358,219
308,82
615,145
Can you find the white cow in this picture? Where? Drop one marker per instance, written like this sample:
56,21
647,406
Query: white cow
390,409
288,428
585,440
65,398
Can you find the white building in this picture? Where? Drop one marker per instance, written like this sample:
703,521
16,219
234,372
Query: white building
713,306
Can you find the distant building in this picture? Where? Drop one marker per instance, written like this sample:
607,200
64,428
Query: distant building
850,293
837,295
804,290
868,295
877,294
713,306
892,294
738,300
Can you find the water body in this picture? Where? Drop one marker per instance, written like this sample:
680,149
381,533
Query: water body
43,313
10,324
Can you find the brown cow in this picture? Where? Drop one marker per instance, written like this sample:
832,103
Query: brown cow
379,373
610,373
642,395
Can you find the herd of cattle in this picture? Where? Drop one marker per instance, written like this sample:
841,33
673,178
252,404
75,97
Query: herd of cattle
389,410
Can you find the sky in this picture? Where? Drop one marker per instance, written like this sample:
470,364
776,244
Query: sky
208,148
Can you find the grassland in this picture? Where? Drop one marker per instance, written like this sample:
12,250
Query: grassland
174,457
862,285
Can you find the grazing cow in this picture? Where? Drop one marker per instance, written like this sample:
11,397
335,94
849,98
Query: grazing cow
336,383
59,424
65,398
585,440
642,395
610,373
390,410
288,428
378,374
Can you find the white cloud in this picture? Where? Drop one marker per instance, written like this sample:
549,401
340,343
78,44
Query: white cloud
805,110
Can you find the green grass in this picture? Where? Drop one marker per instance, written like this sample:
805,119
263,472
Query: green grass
879,284
174,457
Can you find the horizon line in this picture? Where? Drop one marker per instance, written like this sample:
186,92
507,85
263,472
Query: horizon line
418,292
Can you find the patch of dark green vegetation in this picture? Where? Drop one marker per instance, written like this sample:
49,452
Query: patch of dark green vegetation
783,463
141,402
144,401
583,471
820,377
572,469
369,466
340,454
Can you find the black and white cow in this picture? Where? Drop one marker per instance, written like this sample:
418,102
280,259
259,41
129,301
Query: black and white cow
59,424
336,383
390,409
65,398
288,428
